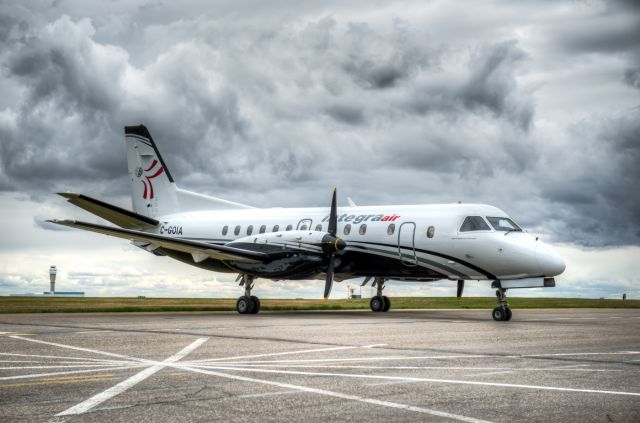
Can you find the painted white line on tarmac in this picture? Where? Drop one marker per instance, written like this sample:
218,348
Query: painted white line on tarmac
350,359
102,360
497,372
88,404
393,382
417,379
77,366
94,331
71,347
527,369
102,369
286,353
268,394
340,395
581,353
426,357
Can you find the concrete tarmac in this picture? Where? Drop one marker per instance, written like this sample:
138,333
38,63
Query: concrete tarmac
405,365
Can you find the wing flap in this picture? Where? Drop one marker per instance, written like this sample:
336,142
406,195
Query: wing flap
196,248
114,214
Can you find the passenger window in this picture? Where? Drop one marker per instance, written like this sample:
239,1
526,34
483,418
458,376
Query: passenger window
236,231
249,229
430,231
289,227
347,229
319,227
263,229
363,229
225,229
303,227
276,228
391,228
474,223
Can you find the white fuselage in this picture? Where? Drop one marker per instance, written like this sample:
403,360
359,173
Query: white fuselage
406,251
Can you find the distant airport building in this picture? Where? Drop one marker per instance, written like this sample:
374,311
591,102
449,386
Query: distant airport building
53,271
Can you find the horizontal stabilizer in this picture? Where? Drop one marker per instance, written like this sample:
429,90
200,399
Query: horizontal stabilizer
114,214
196,248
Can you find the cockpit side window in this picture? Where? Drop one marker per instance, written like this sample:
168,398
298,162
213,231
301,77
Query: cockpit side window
503,224
474,223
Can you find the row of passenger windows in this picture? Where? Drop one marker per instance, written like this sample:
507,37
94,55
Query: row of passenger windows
391,229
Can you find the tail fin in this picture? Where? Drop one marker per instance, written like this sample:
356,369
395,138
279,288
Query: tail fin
153,190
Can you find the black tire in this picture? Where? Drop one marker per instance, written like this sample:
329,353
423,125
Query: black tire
376,304
244,305
387,303
509,314
498,314
256,304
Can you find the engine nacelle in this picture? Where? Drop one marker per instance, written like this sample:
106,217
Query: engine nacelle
311,241
296,254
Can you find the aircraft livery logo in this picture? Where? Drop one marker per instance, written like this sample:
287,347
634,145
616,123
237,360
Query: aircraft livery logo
150,173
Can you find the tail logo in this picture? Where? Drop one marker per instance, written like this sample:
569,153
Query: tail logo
150,173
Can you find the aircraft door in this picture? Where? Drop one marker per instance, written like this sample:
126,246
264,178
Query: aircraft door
406,244
304,225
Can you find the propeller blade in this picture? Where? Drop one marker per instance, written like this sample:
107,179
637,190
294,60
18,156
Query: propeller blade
460,288
333,216
329,282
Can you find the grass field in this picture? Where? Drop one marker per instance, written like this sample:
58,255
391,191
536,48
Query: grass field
106,304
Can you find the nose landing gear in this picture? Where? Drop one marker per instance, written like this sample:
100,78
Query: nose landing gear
502,313
247,304
379,302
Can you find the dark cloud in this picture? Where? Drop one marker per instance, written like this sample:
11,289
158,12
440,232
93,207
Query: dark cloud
274,109
594,188
492,84
632,77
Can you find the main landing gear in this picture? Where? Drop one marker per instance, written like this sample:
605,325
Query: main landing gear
502,313
379,302
247,304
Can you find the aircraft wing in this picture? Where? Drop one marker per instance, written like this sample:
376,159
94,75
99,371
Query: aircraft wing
199,250
114,214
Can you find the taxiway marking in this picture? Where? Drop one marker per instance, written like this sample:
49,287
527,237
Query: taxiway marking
341,395
60,381
71,347
88,404
39,375
286,353
417,379
66,358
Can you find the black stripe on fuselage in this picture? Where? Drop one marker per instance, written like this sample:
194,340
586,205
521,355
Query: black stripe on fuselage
489,275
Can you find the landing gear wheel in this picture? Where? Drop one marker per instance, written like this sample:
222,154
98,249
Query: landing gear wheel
256,304
387,303
498,314
244,305
376,303
508,314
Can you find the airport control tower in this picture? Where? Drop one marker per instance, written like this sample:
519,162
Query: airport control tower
52,279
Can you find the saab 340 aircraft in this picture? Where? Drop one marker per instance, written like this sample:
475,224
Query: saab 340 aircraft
419,243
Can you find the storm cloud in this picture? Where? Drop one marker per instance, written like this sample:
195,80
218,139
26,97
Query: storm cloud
528,109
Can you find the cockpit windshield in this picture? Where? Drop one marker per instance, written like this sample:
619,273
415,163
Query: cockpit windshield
503,224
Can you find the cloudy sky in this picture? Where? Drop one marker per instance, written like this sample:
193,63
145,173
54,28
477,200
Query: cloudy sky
531,106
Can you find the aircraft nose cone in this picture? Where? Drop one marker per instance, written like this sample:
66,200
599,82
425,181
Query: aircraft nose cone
549,262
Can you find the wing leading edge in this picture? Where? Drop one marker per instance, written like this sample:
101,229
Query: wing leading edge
199,250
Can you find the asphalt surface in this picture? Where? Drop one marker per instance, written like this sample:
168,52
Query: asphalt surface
427,365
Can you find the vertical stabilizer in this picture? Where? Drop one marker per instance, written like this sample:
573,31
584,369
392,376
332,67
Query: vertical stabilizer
153,190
